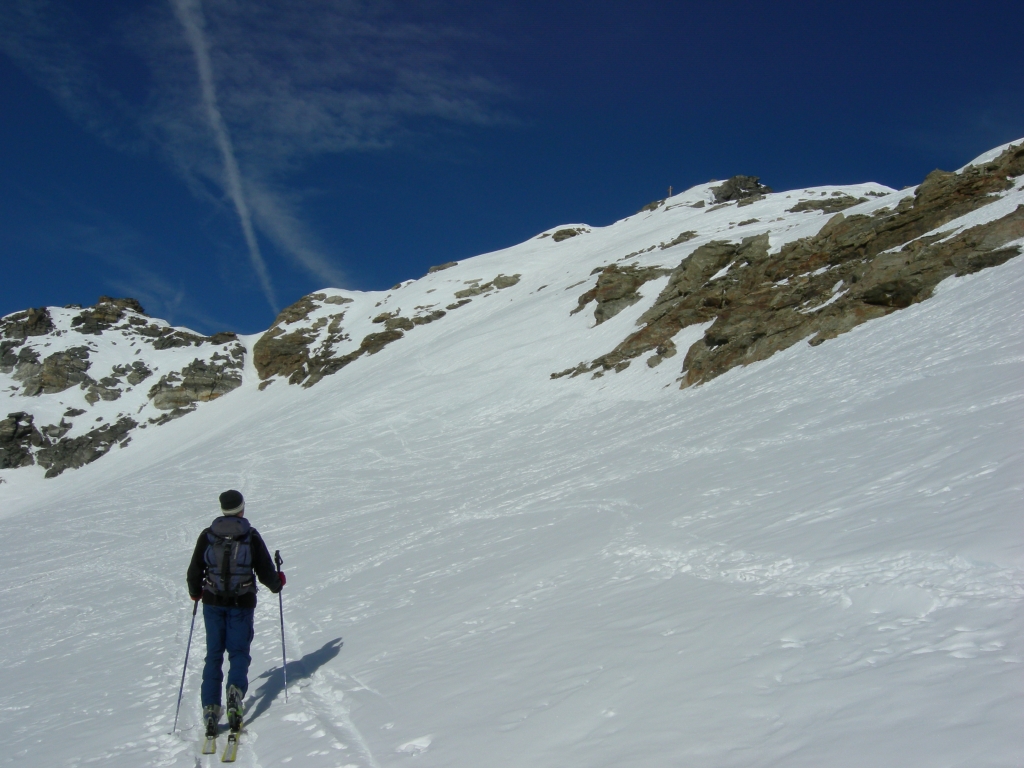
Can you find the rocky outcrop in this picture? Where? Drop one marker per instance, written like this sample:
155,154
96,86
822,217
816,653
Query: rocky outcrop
58,372
739,188
565,234
52,352
682,237
476,288
833,204
18,436
291,353
22,325
855,269
617,288
198,382
77,452
652,206
106,313
307,353
22,444
15,357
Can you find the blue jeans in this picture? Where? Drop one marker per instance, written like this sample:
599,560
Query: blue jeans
227,629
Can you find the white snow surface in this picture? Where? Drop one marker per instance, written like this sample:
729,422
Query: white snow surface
816,560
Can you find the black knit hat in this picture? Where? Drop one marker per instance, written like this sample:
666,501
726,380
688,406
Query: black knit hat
232,503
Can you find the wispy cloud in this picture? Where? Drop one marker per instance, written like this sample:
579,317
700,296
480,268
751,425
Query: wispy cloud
241,97
190,14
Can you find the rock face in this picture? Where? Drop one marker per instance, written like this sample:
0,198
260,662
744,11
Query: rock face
832,204
739,188
617,288
304,344
291,353
853,270
105,314
22,445
80,380
77,452
498,283
57,372
565,234
199,382
18,436
53,357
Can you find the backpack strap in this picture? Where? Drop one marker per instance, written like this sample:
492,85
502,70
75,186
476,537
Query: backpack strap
225,567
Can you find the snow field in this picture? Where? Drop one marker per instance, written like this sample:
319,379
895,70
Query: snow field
814,560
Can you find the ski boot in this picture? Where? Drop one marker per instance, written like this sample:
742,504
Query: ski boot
211,716
235,708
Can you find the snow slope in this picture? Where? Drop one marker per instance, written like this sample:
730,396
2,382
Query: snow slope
814,560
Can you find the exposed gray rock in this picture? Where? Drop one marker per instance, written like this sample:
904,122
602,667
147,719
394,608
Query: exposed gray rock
393,321
199,382
682,237
855,269
439,267
79,451
739,188
22,325
58,372
499,283
617,288
280,352
23,363
565,234
56,431
832,204
375,342
138,372
14,330
437,314
505,281
104,314
18,436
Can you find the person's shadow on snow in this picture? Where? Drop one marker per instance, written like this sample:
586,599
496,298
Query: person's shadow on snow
260,701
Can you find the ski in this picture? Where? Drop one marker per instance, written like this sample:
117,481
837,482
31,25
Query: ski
210,736
231,748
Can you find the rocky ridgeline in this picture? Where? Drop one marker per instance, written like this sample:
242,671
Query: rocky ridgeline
63,366
81,380
308,339
854,269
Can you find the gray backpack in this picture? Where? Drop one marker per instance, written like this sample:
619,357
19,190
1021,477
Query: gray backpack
228,558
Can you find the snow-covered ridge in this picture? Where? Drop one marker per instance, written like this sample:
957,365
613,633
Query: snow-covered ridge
811,561
725,273
78,380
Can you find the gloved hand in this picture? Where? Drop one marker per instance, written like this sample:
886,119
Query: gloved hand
196,598
283,579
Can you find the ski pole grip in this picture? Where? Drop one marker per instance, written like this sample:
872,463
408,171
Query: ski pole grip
278,559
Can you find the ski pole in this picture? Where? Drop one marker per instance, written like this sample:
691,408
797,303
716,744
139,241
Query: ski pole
280,605
181,688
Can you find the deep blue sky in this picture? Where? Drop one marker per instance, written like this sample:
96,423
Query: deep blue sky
372,141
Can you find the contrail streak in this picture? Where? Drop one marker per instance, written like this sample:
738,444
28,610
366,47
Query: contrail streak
190,14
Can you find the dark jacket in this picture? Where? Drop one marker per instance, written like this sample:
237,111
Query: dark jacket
262,564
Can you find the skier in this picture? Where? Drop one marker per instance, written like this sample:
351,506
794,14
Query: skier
221,574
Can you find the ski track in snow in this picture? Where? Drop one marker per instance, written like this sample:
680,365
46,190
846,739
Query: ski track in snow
814,560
